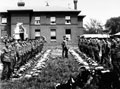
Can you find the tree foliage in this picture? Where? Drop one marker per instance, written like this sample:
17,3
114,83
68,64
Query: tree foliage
93,27
113,25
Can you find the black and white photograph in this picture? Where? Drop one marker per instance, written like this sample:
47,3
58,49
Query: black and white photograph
59,44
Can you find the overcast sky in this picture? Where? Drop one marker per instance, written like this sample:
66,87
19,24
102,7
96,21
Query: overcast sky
100,10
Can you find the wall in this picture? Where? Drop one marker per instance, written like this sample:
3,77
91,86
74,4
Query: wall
28,20
24,18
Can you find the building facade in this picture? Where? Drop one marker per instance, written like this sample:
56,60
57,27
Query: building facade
53,23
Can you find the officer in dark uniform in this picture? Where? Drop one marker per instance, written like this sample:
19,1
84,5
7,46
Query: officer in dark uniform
63,46
66,48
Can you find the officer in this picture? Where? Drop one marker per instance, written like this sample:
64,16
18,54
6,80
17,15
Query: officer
64,47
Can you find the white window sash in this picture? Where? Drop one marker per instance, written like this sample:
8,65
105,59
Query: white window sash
37,18
68,22
52,19
67,17
37,34
68,36
4,20
53,33
37,22
53,40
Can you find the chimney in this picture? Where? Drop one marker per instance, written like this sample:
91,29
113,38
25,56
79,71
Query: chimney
47,4
21,3
75,4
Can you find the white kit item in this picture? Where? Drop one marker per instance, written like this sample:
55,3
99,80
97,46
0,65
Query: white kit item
78,57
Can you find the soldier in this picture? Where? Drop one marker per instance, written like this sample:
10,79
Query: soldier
83,77
91,52
5,59
64,47
19,54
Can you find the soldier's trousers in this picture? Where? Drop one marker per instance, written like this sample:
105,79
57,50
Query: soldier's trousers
63,52
6,73
66,52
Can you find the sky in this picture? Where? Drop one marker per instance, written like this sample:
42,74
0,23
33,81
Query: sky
100,10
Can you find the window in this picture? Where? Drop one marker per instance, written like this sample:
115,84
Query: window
53,34
52,20
37,33
67,20
68,33
37,20
4,20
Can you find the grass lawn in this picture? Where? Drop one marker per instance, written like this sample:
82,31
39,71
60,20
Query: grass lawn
57,70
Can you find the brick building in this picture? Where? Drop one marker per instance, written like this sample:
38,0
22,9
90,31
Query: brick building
51,22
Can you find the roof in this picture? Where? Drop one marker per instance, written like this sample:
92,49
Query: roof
81,16
41,9
96,35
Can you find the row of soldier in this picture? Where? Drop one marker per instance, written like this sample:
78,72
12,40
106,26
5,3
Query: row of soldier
16,53
97,49
105,51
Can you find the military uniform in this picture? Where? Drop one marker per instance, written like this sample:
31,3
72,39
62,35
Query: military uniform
64,48
6,60
17,54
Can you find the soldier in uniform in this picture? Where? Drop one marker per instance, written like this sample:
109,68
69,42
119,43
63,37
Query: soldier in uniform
5,59
64,48
83,77
91,52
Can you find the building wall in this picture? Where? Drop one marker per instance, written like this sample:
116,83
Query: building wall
20,18
4,28
4,31
28,21
60,32
24,18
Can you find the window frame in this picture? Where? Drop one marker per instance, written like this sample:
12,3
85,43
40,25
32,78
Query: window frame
37,20
53,21
68,34
36,31
67,19
5,20
53,36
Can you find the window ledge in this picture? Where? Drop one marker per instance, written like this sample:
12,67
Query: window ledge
53,41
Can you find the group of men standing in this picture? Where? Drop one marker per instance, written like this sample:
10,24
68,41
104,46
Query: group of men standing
105,51
97,49
16,53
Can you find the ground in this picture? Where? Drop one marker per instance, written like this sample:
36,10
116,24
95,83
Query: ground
47,70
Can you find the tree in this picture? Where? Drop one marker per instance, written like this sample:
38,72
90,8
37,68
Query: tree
94,27
113,25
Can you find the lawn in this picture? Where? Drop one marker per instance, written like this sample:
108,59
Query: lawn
57,70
